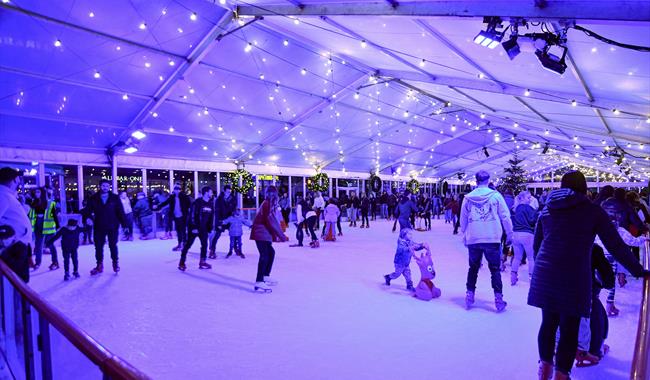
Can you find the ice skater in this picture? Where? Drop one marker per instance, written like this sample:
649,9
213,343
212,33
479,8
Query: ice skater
236,222
200,225
426,290
332,214
69,235
405,249
108,214
266,229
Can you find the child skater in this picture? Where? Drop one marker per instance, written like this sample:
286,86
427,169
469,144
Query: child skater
405,249
69,235
426,290
332,213
236,222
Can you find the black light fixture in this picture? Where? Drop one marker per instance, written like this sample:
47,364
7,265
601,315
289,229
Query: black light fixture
490,37
485,152
551,61
511,47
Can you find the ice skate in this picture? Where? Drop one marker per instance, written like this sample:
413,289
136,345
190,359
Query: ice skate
340,233
177,248
612,311
560,376
262,287
229,254
116,267
545,370
212,255
410,287
499,303
315,244
75,274
97,270
296,245
586,359
66,276
204,265
36,266
513,278
241,255
268,280
387,280
469,299
54,266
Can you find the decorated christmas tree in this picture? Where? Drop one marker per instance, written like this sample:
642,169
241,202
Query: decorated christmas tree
515,176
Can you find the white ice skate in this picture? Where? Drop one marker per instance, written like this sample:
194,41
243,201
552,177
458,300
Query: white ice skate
268,280
262,287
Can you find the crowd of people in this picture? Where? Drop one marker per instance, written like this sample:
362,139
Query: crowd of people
574,243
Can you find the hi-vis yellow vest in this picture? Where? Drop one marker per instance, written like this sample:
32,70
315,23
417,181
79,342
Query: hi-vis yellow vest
49,225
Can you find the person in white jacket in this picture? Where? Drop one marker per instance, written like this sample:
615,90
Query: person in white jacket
319,206
332,214
484,216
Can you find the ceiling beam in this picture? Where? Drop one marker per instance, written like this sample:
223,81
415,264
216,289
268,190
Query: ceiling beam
532,10
69,25
213,36
378,47
62,119
295,122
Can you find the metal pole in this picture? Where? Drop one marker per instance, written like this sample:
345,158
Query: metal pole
62,196
27,337
114,174
80,185
290,194
257,190
196,184
40,176
218,183
45,347
144,181
171,179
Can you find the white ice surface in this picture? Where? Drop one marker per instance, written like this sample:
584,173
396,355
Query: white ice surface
330,317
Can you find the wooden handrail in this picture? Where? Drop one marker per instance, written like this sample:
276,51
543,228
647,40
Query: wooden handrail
642,345
110,364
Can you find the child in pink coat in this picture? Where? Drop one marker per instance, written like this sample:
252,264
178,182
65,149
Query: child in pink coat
425,290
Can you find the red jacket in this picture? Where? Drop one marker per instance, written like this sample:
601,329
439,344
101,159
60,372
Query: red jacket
266,226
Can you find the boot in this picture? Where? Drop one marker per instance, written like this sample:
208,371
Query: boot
560,376
177,248
315,244
212,255
612,311
513,278
229,254
469,299
204,265
499,302
240,254
97,270
586,359
75,274
387,280
54,266
340,233
182,267
545,370
409,287
66,276
116,267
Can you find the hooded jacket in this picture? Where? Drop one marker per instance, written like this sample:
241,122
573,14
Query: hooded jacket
332,213
564,236
484,216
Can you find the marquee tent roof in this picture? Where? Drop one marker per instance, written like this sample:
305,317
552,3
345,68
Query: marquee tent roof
361,86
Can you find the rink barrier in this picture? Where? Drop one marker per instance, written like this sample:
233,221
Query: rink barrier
642,345
25,324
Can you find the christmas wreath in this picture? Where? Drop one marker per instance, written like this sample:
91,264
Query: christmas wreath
319,182
414,186
375,183
247,182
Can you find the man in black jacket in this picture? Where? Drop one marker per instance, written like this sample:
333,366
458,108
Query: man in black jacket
179,206
108,214
224,206
199,225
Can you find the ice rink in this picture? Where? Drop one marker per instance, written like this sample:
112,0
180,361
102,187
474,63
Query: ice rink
330,316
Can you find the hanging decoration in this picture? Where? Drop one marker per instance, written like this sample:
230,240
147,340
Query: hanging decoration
413,185
319,182
375,183
247,183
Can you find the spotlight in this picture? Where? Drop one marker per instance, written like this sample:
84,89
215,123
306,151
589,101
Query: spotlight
551,61
139,135
511,47
130,149
490,37
545,150
485,152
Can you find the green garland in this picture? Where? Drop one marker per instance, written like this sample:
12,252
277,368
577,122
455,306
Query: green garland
247,182
319,182
413,185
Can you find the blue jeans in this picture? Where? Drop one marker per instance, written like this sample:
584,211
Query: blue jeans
492,252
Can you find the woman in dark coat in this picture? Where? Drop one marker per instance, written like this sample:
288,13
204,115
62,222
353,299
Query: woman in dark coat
265,230
561,283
